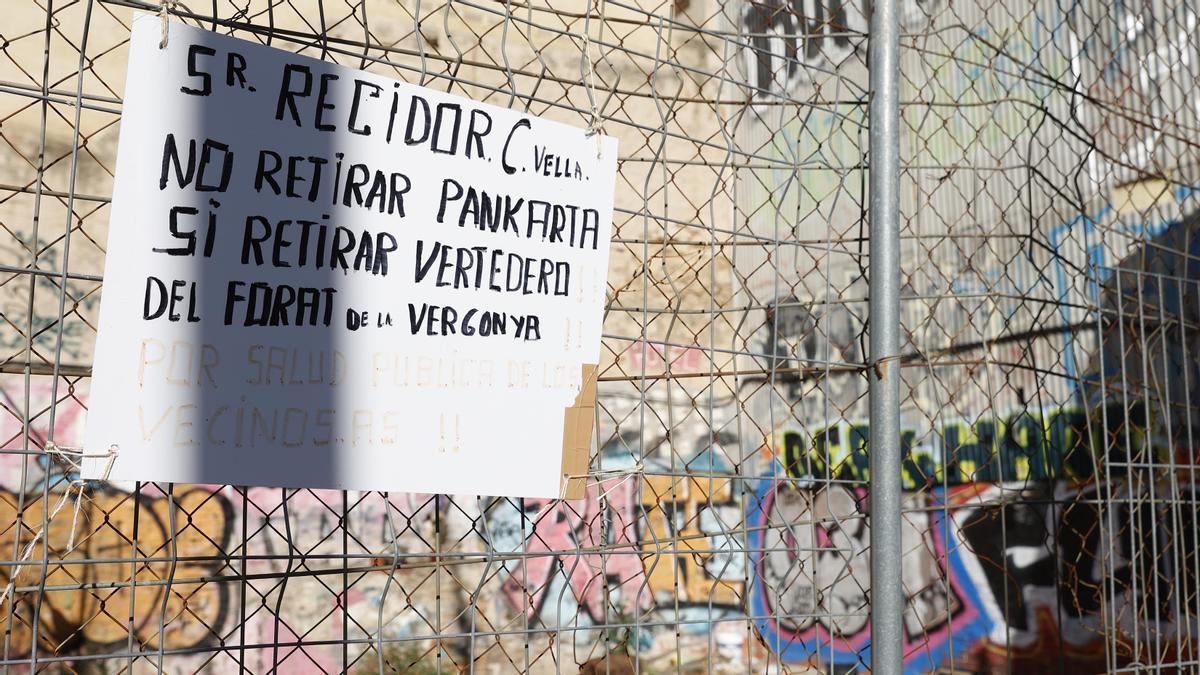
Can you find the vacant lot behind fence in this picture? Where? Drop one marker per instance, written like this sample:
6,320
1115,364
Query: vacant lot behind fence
1049,309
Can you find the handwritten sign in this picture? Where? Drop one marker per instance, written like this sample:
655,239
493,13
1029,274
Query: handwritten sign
321,277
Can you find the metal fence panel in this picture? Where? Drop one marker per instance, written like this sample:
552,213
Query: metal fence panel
1047,358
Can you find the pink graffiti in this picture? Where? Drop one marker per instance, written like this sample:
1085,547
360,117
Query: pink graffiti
68,423
655,357
573,529
68,415
293,658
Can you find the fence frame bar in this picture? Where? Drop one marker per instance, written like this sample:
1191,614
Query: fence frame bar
887,590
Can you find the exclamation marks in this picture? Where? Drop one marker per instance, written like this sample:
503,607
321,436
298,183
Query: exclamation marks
455,431
574,337
588,291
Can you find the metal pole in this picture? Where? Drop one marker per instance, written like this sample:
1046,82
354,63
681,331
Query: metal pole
887,589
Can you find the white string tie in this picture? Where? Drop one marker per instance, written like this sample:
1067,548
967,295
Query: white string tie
164,8
69,459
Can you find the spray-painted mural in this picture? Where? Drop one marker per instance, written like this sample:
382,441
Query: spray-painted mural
814,573
1005,568
98,619
1021,412
996,573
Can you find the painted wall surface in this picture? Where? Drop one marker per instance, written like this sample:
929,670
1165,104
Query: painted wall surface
1027,185
1004,567
998,574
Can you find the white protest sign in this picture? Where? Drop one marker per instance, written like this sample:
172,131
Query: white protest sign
321,277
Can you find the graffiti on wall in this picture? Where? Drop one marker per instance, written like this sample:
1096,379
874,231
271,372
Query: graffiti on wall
1054,568
1030,594
997,577
671,541
82,303
698,519
69,412
798,335
789,39
811,582
658,357
98,618
576,580
1026,445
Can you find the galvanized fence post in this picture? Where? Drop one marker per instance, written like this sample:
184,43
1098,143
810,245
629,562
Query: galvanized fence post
887,591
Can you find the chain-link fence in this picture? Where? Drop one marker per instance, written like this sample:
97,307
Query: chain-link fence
1046,419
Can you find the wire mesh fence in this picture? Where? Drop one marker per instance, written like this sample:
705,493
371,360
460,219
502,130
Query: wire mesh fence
1049,264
